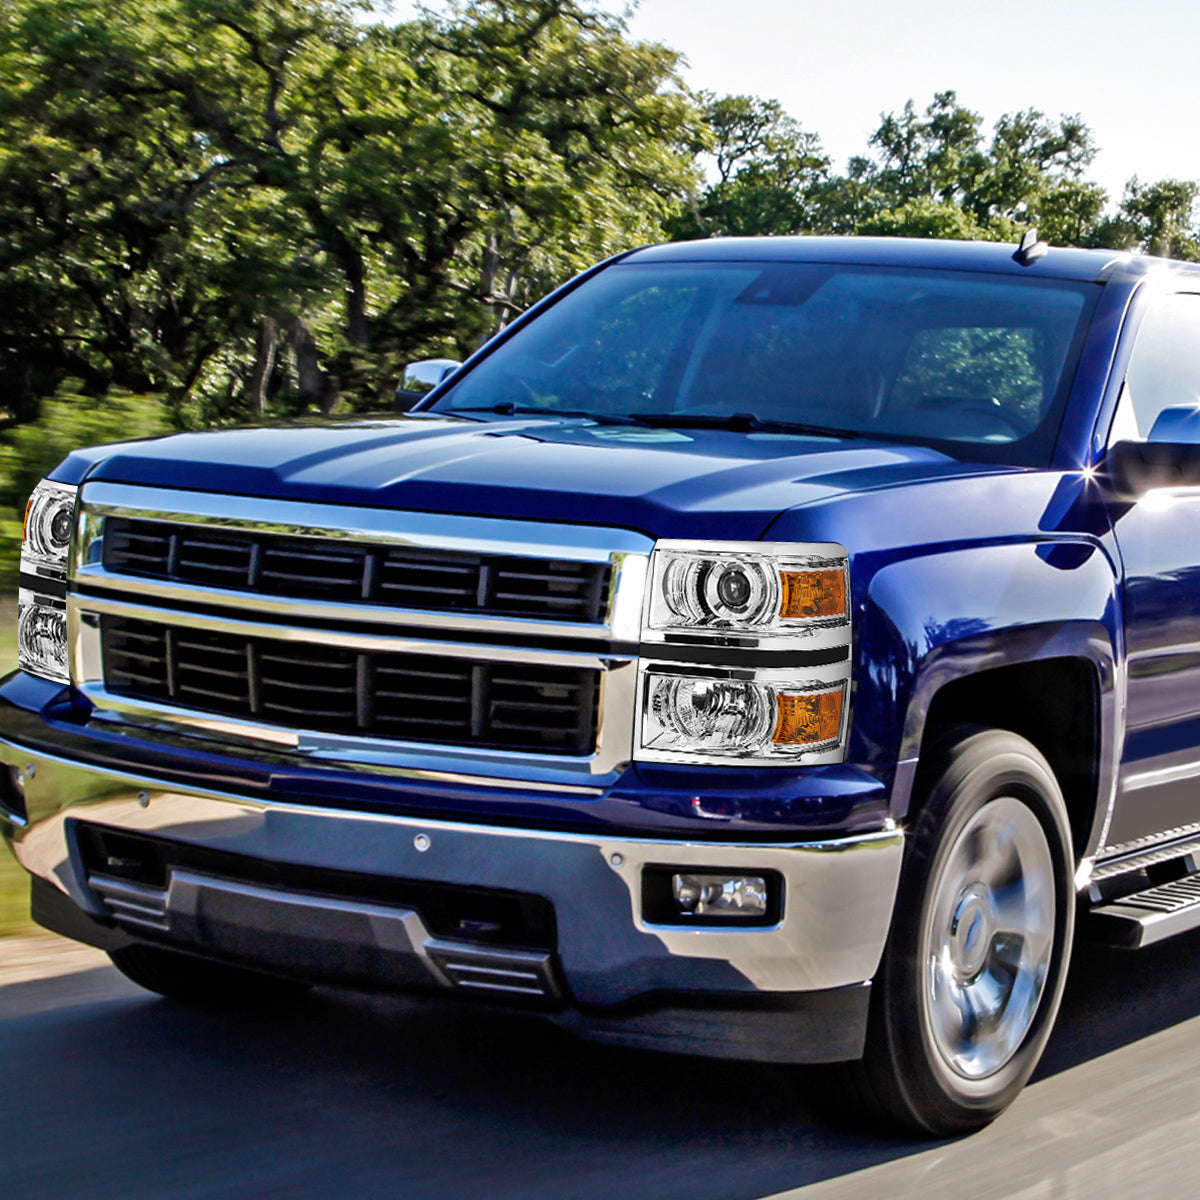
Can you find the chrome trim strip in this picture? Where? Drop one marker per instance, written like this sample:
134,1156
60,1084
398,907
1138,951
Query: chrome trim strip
372,756
85,605
1145,779
295,518
186,595
1148,844
460,763
627,553
1120,688
133,903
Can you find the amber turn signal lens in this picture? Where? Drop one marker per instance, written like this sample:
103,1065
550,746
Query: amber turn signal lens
808,719
808,594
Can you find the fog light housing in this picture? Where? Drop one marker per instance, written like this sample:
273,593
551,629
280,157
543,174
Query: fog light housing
714,896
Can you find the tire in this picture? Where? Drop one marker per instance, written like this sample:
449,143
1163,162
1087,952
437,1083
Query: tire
973,973
198,981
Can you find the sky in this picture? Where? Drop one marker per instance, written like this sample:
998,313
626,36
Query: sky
1124,66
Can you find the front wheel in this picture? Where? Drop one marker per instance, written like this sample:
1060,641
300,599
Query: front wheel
973,973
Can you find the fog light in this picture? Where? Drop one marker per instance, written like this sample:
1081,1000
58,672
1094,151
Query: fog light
720,895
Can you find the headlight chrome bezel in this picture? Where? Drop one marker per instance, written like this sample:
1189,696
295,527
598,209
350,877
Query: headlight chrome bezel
764,695
49,522
787,614
689,593
42,647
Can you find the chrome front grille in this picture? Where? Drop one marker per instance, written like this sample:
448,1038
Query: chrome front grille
356,572
334,689
440,646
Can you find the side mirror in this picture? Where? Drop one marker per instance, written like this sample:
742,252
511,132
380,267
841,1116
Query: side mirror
421,378
1169,457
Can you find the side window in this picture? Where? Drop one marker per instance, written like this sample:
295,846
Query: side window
1164,369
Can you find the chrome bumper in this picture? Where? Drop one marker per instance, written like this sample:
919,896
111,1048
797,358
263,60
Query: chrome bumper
837,895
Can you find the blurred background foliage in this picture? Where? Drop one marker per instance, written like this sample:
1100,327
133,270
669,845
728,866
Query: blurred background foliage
216,211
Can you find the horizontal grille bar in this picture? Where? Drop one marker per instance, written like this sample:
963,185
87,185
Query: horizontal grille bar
353,572
331,689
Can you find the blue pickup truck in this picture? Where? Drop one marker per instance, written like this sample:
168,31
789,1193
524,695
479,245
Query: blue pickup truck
776,649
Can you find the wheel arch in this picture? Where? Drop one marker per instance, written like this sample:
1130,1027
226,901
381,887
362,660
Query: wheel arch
1018,637
1054,704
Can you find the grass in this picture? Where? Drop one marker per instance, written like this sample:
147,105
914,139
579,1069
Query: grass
14,883
14,898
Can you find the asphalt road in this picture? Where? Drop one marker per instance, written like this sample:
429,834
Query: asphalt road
109,1092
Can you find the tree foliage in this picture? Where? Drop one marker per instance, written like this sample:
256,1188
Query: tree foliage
226,199
251,207
766,165
929,173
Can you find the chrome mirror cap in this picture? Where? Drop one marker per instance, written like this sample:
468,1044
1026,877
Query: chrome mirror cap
422,377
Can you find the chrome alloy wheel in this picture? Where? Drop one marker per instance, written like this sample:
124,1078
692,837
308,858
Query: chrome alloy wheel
988,938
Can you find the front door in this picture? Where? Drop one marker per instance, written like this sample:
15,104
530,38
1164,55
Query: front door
1159,541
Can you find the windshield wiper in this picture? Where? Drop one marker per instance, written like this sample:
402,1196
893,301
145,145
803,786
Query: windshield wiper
534,410
741,422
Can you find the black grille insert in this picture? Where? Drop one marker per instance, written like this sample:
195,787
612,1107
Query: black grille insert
336,569
331,689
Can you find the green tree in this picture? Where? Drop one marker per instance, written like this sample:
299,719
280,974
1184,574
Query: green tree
935,174
138,245
767,169
1157,218
575,142
220,199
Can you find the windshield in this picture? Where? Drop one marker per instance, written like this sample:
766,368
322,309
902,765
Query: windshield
971,362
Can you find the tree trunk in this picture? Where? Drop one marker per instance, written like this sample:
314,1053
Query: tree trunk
316,385
264,364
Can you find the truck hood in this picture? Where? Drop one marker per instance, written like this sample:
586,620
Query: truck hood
665,483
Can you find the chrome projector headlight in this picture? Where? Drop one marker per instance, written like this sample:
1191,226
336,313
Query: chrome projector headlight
42,597
764,632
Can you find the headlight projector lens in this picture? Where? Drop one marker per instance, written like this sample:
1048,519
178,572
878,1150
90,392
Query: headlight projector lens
733,588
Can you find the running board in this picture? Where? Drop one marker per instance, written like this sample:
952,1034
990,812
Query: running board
1146,917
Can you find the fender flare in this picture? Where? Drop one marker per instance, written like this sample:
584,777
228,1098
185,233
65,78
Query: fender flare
929,620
